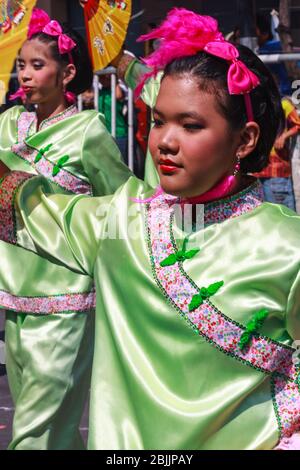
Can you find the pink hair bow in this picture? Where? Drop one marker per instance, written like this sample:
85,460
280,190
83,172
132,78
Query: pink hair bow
39,19
65,43
240,79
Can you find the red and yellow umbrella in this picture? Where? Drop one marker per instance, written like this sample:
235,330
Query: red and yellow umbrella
14,20
106,24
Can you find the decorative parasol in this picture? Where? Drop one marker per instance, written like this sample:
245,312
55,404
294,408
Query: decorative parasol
14,20
106,24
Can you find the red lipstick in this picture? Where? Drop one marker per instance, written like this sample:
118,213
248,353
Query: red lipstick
168,166
26,89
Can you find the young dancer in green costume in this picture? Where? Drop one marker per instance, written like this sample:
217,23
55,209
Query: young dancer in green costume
49,362
195,328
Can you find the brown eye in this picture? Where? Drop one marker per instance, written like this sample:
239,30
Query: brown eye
157,122
192,127
38,66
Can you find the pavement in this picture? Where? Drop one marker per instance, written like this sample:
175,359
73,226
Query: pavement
7,407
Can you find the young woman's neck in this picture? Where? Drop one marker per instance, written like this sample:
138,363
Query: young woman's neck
50,109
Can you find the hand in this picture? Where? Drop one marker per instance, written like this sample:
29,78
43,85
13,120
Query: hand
115,62
3,169
280,142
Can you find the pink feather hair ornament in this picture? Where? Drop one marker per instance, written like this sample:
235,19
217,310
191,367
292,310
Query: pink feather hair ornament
39,19
183,33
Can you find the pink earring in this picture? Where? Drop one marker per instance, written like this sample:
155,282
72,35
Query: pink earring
237,165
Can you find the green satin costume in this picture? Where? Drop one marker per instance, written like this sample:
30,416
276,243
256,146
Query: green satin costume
133,76
49,356
156,382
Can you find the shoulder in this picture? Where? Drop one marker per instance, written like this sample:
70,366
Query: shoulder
12,113
134,188
279,221
90,118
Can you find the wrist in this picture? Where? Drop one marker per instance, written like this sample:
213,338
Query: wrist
123,63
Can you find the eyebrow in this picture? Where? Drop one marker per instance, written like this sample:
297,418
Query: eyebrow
191,114
36,59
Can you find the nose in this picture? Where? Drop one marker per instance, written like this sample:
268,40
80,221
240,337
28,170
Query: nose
25,75
168,141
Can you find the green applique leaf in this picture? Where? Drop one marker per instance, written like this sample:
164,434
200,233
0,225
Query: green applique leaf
245,339
38,157
260,317
252,327
171,259
180,255
47,148
204,292
42,152
60,164
213,288
197,300
62,161
190,254
55,170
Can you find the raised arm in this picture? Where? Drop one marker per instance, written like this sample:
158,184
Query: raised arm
66,229
102,159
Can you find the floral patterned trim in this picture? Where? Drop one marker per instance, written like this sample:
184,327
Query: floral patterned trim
8,188
44,167
235,205
63,303
263,354
70,111
25,123
28,120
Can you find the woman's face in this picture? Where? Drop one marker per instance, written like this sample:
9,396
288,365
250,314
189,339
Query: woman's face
38,73
191,143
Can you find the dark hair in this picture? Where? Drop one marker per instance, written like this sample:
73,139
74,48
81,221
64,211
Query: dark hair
80,56
211,73
263,23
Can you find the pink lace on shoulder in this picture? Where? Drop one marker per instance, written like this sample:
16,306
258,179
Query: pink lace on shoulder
289,443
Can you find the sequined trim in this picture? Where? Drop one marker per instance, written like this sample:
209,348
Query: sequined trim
263,354
25,122
235,205
27,119
70,111
44,167
8,188
63,303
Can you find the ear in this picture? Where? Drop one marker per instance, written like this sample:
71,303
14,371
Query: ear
249,136
69,74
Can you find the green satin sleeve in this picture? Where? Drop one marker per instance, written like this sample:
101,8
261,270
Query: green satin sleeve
133,76
293,309
32,281
63,228
8,136
156,369
101,159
